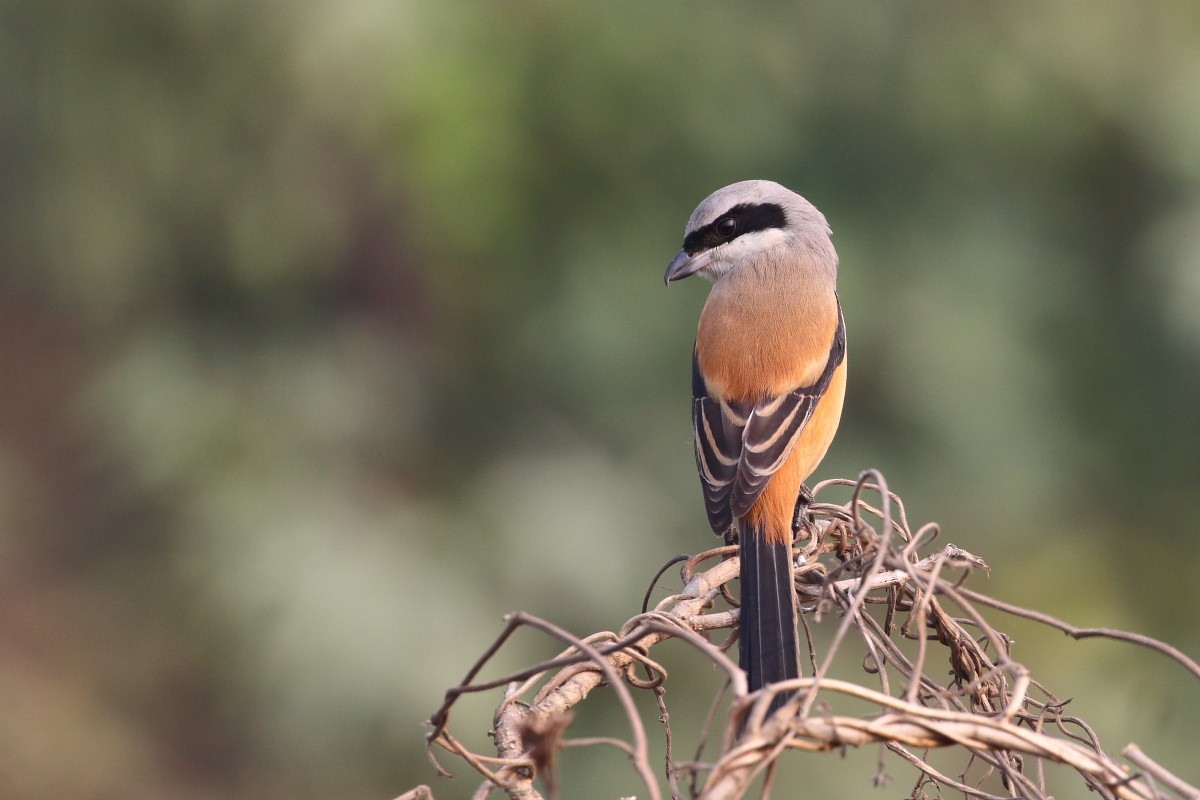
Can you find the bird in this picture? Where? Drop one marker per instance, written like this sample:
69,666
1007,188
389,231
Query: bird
768,383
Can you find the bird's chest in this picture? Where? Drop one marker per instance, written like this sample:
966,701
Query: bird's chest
761,341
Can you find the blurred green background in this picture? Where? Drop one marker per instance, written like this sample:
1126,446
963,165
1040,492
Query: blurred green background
334,330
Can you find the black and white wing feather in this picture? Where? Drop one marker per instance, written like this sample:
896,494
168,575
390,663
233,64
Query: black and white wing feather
740,446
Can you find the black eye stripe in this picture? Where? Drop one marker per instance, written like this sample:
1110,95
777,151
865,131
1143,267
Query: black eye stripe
749,218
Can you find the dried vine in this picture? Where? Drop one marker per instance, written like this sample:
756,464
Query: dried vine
863,565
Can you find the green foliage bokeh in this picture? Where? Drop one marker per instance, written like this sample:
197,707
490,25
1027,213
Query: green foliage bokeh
334,330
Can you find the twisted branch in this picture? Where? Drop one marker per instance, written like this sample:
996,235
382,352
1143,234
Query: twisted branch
859,561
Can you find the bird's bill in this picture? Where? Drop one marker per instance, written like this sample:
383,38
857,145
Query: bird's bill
683,265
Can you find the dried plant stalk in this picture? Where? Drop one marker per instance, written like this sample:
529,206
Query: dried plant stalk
853,558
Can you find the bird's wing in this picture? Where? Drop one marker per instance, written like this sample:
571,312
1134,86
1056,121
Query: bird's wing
773,427
717,427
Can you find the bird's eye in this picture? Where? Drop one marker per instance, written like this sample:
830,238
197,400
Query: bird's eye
726,226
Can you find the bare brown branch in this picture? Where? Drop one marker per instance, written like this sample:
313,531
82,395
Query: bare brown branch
945,678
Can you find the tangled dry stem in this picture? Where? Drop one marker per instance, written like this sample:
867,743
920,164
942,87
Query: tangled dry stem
862,563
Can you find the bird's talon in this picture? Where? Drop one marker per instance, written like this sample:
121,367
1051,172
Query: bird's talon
731,537
802,521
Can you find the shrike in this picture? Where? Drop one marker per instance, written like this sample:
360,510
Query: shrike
768,379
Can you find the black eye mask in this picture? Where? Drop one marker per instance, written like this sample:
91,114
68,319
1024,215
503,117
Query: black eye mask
745,218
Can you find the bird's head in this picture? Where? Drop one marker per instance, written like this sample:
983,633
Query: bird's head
747,219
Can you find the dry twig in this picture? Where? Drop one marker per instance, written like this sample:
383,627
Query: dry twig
858,556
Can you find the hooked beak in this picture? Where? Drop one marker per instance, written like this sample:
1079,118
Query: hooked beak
683,265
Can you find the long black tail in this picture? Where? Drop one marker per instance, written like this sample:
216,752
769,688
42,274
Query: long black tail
769,650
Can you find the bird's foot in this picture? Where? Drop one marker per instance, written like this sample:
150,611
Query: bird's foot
731,535
803,525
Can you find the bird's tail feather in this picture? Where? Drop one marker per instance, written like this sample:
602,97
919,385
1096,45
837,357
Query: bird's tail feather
769,650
